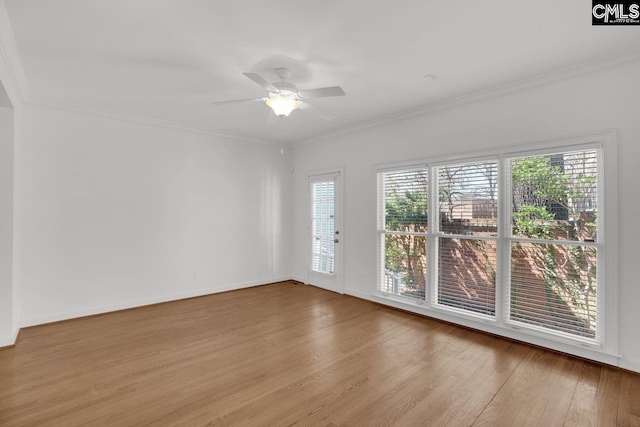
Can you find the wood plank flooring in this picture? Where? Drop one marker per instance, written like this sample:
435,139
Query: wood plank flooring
289,354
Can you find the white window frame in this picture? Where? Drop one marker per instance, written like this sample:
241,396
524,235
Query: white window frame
605,346
381,232
434,226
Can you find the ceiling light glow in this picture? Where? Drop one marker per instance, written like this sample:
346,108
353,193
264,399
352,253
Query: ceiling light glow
282,105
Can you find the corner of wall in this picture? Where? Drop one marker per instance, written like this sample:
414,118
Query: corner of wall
17,161
9,341
13,78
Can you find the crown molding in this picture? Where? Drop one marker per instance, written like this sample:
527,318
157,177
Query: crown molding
485,94
9,54
494,92
144,120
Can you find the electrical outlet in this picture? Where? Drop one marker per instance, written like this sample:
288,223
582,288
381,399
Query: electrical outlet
195,275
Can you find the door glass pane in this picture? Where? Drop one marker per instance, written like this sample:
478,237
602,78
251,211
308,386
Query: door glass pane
322,227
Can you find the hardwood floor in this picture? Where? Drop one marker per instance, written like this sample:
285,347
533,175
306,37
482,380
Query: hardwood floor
290,354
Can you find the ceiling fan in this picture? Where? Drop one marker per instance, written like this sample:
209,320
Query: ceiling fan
284,97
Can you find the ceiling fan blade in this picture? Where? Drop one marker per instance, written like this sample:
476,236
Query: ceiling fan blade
323,114
322,92
262,82
237,101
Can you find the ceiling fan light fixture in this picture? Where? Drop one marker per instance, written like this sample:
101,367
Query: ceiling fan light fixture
282,105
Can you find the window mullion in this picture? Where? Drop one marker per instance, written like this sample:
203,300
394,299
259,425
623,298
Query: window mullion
433,215
503,258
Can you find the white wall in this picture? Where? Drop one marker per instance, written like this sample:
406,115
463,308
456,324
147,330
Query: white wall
578,105
6,224
117,214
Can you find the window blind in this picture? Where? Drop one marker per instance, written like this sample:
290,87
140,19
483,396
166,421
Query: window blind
555,196
468,196
467,274
554,248
406,199
468,199
554,287
322,225
403,224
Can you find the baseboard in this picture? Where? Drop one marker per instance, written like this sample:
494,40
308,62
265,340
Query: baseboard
299,279
149,301
585,353
629,365
9,341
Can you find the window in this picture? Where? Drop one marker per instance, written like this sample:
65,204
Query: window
468,230
554,249
404,232
514,238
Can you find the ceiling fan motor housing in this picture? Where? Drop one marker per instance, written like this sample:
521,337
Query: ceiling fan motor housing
286,88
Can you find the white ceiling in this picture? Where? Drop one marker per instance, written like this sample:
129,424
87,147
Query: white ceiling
170,59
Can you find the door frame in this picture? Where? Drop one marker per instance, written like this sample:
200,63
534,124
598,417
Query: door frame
339,267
